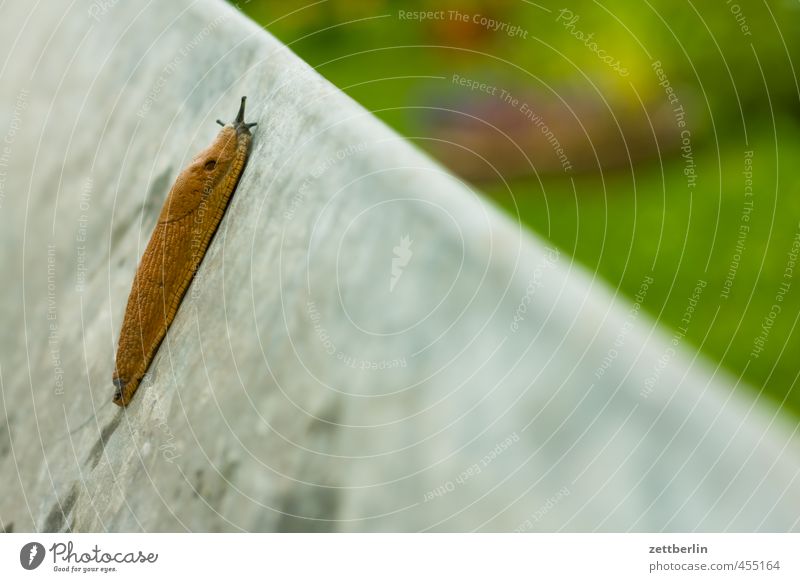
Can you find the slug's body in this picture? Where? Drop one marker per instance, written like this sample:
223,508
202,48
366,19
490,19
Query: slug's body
190,217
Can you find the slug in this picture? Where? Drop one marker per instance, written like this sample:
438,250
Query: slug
191,214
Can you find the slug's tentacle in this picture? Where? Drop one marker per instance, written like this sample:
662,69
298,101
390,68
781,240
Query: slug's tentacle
191,215
239,123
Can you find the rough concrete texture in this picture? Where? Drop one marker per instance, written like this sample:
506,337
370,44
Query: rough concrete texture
300,387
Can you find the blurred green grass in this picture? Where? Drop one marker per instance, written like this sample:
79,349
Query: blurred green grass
622,224
627,229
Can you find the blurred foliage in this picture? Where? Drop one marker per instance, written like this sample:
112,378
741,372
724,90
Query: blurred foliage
701,45
628,229
731,63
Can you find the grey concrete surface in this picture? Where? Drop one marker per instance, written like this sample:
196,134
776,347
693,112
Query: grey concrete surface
301,387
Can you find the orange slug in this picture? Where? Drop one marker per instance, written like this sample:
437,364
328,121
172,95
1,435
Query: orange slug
191,214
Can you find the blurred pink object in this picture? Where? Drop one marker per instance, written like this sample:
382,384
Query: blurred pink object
524,132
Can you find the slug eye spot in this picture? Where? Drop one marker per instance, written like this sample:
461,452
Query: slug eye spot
210,165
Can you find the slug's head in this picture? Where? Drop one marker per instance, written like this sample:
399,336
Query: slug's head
223,158
213,163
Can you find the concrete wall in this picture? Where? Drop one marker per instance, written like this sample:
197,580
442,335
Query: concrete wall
299,388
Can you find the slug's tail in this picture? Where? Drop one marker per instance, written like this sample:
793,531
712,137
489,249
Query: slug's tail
124,391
